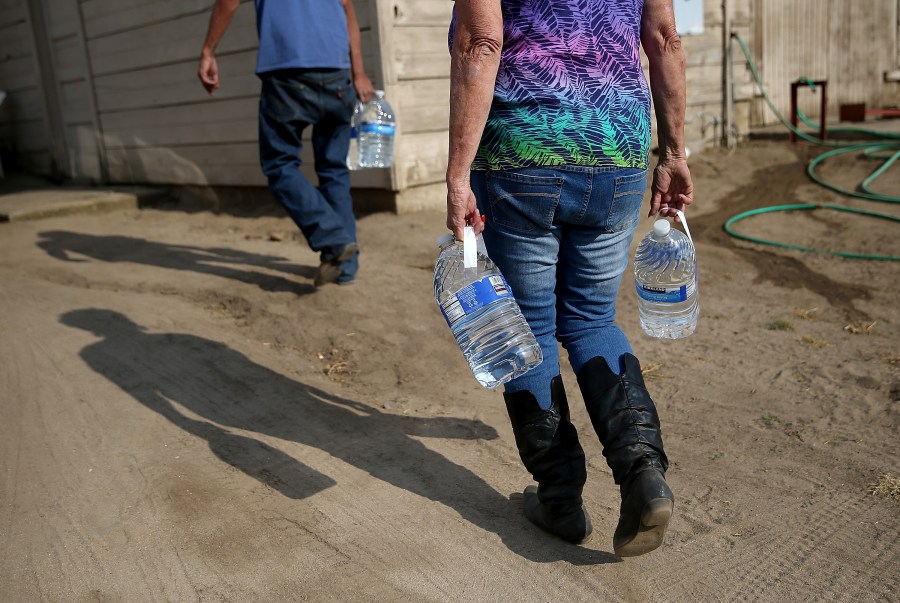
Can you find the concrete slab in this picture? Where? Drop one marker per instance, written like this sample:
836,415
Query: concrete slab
43,203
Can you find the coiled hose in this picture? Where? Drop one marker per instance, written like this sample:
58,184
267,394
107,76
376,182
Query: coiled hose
887,149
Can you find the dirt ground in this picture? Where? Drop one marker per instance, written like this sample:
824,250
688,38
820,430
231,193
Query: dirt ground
185,418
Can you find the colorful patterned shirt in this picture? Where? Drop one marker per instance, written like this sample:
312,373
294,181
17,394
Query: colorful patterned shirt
570,89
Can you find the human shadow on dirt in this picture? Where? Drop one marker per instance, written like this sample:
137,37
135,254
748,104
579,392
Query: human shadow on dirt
223,390
218,261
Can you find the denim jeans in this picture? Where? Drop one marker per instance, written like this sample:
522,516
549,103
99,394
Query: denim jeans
291,100
560,236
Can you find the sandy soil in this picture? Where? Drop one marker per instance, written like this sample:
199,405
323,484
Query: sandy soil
186,418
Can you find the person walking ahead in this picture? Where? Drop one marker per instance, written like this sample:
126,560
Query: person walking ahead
549,140
311,67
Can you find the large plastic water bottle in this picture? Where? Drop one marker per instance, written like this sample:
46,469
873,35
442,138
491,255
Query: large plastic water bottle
353,150
482,314
376,133
665,274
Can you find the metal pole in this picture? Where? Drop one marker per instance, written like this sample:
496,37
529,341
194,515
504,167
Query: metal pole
726,74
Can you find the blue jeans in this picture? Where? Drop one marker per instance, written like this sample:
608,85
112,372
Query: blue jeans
291,100
560,236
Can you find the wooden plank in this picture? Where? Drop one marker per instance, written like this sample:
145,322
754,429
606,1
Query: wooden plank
422,105
77,106
69,58
168,42
84,152
15,39
411,13
174,84
62,18
177,83
105,17
18,73
214,165
227,121
421,159
421,52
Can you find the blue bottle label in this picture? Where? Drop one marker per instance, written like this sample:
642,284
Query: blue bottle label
375,128
473,297
670,295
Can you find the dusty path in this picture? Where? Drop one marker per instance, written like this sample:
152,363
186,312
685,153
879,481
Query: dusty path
185,418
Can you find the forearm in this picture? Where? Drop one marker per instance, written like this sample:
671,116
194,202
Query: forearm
222,13
356,59
667,77
475,59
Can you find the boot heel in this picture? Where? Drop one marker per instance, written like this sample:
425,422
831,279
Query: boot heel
654,519
657,512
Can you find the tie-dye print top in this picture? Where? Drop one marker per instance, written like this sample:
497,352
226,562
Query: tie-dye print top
570,89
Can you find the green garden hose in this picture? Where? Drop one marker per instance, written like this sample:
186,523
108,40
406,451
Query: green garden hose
889,151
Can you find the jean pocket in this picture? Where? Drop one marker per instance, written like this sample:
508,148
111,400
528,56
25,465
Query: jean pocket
523,202
627,198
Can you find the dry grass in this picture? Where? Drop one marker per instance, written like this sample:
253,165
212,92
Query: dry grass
860,328
887,486
805,314
337,364
813,342
651,371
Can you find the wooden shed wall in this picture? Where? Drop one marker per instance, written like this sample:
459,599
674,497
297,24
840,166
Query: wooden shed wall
158,124
849,44
417,82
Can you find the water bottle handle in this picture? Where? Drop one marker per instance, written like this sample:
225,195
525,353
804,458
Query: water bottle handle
687,230
470,248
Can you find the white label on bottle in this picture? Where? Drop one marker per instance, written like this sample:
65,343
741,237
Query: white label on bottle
375,128
666,295
473,297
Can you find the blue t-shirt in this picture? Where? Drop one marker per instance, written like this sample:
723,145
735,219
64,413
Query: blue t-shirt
301,34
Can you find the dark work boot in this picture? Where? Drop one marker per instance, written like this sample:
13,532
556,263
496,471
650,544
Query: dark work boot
625,419
548,446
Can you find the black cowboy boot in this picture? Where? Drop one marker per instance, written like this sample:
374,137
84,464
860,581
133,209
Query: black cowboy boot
548,446
626,422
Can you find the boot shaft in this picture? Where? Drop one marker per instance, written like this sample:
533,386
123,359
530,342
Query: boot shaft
623,415
548,444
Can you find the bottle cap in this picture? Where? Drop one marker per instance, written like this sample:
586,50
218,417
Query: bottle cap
379,94
445,239
661,228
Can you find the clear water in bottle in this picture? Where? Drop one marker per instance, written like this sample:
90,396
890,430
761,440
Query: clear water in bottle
665,274
483,316
377,127
353,150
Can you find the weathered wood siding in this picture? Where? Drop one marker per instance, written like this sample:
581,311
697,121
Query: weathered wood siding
23,130
417,82
115,81
157,123
703,73
850,44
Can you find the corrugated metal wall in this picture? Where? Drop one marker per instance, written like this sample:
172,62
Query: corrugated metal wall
850,44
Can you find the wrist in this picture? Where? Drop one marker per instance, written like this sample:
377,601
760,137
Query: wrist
457,179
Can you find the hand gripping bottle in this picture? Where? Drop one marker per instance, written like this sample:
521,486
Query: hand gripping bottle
353,150
665,274
482,313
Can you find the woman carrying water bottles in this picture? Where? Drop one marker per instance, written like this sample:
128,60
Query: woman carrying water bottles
549,141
